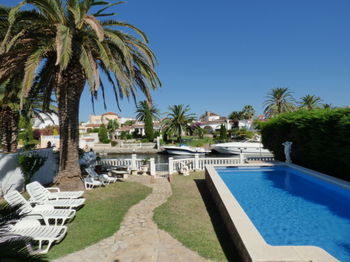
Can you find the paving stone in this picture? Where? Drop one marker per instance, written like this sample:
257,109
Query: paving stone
139,239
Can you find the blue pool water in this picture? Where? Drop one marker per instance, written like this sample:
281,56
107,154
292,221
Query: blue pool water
289,207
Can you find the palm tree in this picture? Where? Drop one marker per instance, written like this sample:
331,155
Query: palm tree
279,100
145,107
327,106
248,112
64,45
178,121
235,116
112,125
147,113
310,102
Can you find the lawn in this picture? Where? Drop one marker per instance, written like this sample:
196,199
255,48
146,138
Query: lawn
100,217
190,215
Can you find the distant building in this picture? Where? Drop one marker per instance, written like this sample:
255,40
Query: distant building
212,122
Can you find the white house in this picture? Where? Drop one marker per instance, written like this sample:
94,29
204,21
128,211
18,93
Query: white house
212,122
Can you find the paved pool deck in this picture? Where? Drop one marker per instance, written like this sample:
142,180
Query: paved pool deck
139,238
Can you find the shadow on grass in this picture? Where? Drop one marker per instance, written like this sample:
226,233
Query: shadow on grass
222,234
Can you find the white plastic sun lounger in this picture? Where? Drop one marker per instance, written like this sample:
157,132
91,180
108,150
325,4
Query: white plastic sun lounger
40,198
48,212
90,183
105,179
37,187
43,235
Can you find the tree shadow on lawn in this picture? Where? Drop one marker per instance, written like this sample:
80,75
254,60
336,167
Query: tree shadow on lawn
222,234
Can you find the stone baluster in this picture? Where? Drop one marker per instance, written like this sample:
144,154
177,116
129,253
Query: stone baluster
171,165
152,167
196,162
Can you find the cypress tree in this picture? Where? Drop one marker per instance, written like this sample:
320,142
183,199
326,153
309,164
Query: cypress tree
223,133
149,126
103,135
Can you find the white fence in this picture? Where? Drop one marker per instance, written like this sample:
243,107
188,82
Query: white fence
137,145
175,165
133,163
197,163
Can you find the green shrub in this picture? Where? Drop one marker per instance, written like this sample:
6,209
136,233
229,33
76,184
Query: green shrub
114,143
30,164
320,139
242,133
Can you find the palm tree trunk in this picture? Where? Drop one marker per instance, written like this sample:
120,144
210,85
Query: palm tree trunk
69,90
9,129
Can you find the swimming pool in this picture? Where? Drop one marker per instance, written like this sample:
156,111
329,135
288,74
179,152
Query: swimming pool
290,207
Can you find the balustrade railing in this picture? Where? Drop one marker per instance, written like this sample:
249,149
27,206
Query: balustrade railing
196,163
132,164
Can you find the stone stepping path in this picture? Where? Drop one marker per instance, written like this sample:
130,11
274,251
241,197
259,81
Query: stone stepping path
139,239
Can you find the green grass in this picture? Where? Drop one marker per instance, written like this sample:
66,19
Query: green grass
100,217
190,215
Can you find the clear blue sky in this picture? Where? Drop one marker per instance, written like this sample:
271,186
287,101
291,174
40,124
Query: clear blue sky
221,55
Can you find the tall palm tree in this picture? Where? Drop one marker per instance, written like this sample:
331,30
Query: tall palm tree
145,107
235,116
147,112
310,102
64,45
10,111
178,121
279,100
248,112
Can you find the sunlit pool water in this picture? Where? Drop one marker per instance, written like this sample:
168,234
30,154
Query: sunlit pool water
289,207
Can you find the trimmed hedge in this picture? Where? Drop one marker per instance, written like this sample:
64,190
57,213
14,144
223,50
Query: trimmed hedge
321,139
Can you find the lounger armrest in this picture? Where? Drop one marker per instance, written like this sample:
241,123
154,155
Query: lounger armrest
32,217
43,207
54,189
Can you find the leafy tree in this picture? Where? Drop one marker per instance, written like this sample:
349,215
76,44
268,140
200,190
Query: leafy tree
111,127
278,101
178,121
223,133
310,102
248,112
62,45
147,113
103,135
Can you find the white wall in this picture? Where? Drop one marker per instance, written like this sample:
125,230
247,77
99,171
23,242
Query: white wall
11,176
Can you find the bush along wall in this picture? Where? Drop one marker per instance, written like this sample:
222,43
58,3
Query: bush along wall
321,139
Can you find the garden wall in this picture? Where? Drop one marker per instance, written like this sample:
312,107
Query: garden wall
321,139
11,176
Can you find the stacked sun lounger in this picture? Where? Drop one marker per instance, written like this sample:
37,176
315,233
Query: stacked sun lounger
96,180
43,215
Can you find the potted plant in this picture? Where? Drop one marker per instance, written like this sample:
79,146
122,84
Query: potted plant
144,167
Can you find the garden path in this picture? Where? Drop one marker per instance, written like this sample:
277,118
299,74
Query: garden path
139,239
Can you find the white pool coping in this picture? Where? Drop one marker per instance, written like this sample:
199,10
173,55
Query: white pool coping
250,243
